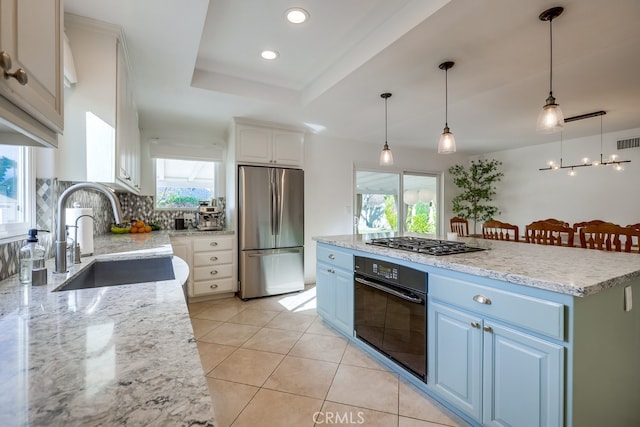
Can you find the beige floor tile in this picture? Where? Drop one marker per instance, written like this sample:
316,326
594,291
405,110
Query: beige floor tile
226,301
320,347
368,388
319,327
220,312
253,317
291,321
247,366
300,302
212,354
196,307
306,377
415,404
268,303
271,408
355,356
203,326
412,422
337,414
230,334
273,340
229,399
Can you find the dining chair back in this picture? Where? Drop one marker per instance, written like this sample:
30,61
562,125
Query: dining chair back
497,230
555,221
610,237
576,226
460,226
549,233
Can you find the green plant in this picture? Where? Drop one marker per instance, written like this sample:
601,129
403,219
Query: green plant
478,188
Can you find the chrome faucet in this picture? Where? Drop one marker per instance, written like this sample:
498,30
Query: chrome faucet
61,235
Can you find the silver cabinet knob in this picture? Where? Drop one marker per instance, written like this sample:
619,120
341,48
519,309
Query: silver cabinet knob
213,272
332,256
475,325
20,74
487,328
213,258
330,270
482,299
213,286
213,244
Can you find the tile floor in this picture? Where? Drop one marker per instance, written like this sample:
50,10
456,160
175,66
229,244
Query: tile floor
273,362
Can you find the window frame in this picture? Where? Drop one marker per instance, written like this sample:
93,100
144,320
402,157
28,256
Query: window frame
27,190
217,171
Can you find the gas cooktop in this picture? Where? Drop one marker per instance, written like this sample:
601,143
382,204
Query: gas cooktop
423,245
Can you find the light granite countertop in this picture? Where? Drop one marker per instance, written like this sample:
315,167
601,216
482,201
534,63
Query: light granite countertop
573,271
118,355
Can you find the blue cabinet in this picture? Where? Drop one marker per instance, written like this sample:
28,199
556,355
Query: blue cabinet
494,372
334,288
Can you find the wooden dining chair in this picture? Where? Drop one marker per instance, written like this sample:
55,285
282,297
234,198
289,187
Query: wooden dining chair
460,226
497,230
555,221
576,226
549,233
635,226
610,237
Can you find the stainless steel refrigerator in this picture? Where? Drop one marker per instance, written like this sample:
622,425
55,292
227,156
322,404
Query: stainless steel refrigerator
270,230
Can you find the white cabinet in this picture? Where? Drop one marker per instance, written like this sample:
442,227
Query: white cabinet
212,264
484,364
268,145
101,142
31,50
334,288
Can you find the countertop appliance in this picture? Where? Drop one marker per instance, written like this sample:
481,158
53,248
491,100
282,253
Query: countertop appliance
390,311
210,218
270,230
424,246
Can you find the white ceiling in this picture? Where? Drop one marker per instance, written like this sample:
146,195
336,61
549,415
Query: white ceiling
196,65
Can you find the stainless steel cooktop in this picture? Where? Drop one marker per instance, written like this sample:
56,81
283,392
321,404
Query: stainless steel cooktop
423,245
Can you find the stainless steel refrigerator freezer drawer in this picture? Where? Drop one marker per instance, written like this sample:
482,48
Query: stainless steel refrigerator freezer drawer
271,272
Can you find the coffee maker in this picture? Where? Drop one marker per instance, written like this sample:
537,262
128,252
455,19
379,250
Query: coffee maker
209,217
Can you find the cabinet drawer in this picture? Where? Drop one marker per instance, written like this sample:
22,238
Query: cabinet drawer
212,258
212,272
219,243
535,314
335,257
205,287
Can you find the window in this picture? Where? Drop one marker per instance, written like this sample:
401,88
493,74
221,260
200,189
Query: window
181,184
391,202
16,190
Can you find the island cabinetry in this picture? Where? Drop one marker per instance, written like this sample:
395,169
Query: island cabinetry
484,362
269,145
334,287
101,142
31,98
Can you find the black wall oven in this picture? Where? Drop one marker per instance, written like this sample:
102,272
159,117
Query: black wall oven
391,312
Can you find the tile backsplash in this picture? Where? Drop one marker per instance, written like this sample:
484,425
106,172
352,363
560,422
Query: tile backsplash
47,192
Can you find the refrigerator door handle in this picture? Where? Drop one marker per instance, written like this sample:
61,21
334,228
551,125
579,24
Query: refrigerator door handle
279,173
281,251
274,204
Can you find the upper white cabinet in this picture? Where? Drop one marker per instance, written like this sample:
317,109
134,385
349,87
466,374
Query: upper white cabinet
101,142
31,59
269,145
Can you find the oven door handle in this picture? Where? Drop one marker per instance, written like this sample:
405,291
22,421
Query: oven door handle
410,298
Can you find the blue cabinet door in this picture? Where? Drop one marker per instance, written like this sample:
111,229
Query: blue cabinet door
344,301
523,379
325,291
455,357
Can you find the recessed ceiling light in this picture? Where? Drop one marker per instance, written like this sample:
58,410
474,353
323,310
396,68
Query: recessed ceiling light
269,54
297,15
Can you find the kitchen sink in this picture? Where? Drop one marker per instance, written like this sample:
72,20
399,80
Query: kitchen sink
122,272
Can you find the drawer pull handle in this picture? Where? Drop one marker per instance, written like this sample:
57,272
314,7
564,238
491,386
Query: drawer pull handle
487,328
213,272
482,299
475,325
330,270
213,286
332,256
213,244
213,258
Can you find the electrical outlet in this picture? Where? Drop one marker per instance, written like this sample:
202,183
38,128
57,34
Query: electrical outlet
189,216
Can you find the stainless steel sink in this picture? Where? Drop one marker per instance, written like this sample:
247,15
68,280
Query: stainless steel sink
122,272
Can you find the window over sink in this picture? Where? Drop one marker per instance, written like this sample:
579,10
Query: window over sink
16,190
182,184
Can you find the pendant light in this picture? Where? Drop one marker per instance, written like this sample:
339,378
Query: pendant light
447,143
386,158
550,119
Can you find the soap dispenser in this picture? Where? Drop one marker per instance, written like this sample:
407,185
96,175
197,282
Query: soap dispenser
32,260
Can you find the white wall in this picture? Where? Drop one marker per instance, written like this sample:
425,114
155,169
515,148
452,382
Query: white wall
526,194
329,165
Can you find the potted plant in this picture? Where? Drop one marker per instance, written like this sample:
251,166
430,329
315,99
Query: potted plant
478,188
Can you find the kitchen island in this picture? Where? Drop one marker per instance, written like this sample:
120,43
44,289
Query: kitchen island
117,355
517,334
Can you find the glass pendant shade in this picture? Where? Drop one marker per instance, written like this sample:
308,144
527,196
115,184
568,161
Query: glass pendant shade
386,157
447,143
550,119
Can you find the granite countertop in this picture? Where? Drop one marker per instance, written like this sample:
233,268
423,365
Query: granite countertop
573,271
106,356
